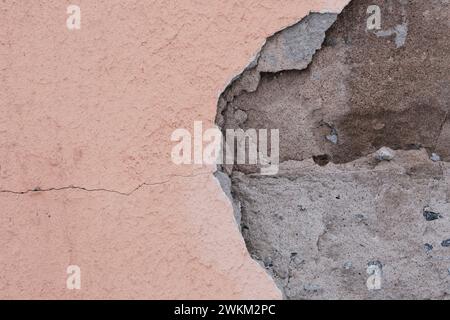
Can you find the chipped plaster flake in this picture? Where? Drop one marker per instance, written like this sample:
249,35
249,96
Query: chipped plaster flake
384,154
294,48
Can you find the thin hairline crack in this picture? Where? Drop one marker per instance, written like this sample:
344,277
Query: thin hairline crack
84,189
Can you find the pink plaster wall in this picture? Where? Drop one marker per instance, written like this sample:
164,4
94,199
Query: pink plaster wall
89,114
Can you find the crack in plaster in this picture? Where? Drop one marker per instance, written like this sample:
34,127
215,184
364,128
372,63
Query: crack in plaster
71,187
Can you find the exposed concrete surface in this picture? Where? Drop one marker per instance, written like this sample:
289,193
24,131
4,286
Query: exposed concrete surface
360,88
339,208
316,229
85,168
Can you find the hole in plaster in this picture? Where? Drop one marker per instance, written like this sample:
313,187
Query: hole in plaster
322,160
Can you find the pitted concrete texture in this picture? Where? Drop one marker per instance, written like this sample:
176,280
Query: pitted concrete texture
335,211
316,229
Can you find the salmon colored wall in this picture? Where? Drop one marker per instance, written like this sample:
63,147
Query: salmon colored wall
86,117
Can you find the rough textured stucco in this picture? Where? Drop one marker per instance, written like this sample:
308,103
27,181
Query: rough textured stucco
316,229
334,208
86,117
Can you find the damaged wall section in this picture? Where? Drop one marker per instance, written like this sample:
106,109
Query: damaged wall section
338,92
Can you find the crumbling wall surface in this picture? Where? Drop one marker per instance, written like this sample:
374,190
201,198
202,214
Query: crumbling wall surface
316,229
336,209
86,175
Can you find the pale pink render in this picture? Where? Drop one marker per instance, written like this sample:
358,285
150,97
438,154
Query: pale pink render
94,108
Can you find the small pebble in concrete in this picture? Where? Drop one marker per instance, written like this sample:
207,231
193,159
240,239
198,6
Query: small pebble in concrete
428,247
268,262
348,265
385,154
435,157
240,116
311,288
376,263
333,137
297,260
430,215
446,243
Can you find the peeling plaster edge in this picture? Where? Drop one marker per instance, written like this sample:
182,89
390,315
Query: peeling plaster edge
224,179
224,183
